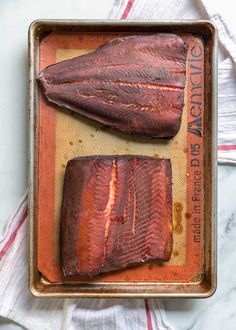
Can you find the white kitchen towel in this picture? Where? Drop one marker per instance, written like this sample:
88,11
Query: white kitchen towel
205,9
17,303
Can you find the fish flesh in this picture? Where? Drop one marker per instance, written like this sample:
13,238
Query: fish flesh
135,84
116,212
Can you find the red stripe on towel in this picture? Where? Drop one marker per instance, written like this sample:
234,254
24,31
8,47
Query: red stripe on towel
127,9
13,235
13,216
227,147
148,314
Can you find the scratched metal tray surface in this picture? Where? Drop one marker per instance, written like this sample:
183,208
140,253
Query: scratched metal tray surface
58,135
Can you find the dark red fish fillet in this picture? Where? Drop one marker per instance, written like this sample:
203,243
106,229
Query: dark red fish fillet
135,84
117,212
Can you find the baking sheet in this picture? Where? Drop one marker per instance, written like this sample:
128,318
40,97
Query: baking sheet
63,135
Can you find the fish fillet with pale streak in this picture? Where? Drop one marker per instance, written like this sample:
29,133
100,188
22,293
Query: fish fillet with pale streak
117,212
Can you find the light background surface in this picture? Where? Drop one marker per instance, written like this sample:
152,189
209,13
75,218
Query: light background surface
215,313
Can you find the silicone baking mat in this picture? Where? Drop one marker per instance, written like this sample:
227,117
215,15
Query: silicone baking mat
64,135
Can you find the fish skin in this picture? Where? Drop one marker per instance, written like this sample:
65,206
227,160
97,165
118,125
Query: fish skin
116,212
135,84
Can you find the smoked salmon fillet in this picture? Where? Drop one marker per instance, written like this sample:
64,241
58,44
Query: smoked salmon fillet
116,212
135,84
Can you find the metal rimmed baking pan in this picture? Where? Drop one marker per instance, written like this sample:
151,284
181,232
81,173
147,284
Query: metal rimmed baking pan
56,136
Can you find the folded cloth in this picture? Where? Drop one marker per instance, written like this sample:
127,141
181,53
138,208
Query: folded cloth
205,9
18,304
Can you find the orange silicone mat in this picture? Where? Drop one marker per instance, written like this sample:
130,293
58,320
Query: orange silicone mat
64,135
